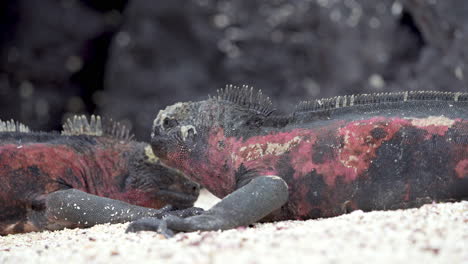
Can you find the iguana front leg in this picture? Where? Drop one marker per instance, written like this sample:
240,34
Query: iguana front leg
74,208
245,206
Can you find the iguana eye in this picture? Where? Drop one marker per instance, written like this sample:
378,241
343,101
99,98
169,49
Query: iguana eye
169,123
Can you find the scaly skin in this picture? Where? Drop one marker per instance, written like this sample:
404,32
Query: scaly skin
52,181
327,158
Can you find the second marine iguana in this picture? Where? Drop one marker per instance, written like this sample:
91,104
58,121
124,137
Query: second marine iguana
329,157
93,173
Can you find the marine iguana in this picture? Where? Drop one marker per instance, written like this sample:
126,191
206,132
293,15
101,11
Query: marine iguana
329,157
93,173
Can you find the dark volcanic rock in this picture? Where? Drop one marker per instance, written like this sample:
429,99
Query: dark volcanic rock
163,54
54,54
290,49
443,63
47,51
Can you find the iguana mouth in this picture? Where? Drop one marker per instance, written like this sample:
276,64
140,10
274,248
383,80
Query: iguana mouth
159,142
179,200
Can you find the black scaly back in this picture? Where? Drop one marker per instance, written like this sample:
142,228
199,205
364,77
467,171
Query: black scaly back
246,97
336,102
96,126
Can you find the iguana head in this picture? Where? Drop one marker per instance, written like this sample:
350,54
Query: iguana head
196,137
151,183
136,175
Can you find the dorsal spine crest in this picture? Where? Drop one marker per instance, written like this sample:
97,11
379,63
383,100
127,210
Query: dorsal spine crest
13,126
325,104
246,97
80,125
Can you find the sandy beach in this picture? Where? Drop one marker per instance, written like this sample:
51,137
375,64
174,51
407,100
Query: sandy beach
434,233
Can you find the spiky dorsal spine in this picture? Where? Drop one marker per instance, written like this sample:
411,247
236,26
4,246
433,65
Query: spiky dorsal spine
246,97
80,125
13,126
368,99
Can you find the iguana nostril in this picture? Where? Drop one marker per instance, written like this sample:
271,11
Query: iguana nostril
191,132
188,131
169,123
155,132
193,186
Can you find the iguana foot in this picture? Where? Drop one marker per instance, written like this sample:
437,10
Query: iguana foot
150,224
171,224
183,213
245,206
175,218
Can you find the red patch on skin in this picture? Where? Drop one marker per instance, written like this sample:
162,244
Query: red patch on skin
210,173
354,158
268,149
303,164
435,130
92,172
462,169
434,125
141,198
302,207
359,145
225,155
262,153
55,161
224,181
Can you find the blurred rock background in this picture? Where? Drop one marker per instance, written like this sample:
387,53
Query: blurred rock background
129,58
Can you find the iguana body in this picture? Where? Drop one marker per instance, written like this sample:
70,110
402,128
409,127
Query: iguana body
331,156
88,175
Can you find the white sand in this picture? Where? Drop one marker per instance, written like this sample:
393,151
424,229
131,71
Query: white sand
436,233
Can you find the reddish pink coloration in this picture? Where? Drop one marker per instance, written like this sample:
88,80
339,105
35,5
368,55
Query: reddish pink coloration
359,145
262,153
224,180
303,208
303,164
53,160
435,130
79,170
209,171
462,169
140,198
268,146
434,125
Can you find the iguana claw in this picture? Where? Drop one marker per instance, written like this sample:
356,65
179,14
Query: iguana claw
150,224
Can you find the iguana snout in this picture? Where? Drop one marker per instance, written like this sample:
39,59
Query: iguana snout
166,184
174,130
180,192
